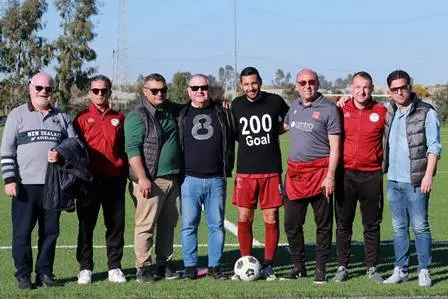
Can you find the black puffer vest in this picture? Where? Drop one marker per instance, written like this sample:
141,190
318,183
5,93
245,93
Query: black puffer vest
153,136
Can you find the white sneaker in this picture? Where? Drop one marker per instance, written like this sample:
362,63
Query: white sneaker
116,275
235,277
397,276
85,277
424,278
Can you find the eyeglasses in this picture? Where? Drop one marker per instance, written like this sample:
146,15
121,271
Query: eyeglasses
155,91
39,88
311,82
98,90
196,88
403,89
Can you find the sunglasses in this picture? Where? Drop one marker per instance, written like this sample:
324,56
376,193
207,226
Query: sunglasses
98,90
48,89
155,91
311,82
403,89
196,88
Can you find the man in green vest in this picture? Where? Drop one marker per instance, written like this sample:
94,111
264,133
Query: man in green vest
153,149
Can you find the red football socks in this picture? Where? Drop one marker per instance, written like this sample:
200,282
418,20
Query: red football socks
245,237
272,233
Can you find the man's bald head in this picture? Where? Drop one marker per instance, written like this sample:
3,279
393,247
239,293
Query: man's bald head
42,77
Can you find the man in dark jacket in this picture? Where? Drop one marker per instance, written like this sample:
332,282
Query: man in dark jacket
153,149
205,133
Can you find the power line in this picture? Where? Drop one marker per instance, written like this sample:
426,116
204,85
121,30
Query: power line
346,22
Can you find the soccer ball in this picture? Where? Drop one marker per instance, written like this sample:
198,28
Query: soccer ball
247,268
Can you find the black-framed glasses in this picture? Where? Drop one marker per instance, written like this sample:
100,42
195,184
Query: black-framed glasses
155,91
98,90
403,88
311,82
201,87
39,88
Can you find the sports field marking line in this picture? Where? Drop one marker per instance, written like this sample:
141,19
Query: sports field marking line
234,230
230,245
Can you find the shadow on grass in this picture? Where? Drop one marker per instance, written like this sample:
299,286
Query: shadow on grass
357,268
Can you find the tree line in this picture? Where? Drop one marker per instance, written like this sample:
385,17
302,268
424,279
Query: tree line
24,50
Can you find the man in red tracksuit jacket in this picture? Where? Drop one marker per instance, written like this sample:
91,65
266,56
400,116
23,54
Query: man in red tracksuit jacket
361,177
102,130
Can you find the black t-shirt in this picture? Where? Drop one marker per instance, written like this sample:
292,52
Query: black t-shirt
203,143
258,125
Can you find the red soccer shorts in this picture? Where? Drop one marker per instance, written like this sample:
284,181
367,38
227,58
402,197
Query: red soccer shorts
249,188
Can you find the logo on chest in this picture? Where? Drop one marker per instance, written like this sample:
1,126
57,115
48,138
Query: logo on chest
374,117
202,127
115,122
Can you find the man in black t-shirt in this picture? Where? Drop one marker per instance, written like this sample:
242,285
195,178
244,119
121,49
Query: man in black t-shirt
208,150
259,120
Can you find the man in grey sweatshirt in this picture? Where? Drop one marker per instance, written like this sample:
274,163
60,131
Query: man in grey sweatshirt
31,131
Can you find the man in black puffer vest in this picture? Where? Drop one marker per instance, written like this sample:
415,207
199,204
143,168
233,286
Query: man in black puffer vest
153,149
412,149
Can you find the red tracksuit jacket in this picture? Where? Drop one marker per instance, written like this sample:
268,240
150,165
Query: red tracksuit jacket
104,136
363,136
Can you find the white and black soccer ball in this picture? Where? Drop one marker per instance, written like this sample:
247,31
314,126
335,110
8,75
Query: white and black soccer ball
247,268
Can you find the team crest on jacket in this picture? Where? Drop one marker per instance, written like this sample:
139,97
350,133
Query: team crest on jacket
315,115
90,120
374,117
115,122
346,114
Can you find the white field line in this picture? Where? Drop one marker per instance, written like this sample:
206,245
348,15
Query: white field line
230,245
234,230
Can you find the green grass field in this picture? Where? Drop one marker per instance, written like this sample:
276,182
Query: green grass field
66,267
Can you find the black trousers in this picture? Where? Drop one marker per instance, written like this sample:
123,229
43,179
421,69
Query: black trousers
367,188
26,210
108,194
295,214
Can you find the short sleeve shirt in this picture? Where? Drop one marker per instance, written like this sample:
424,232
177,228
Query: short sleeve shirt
258,124
309,127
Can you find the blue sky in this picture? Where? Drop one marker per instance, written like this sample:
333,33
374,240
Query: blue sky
332,37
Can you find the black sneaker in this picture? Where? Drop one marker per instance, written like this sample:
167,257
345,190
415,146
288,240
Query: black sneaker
144,275
191,273
320,276
24,282
46,281
167,271
298,271
267,272
216,273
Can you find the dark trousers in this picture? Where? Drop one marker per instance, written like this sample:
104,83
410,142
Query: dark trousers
26,210
367,188
108,194
295,214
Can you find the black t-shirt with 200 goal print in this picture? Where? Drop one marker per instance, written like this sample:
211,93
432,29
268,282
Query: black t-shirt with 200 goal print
258,124
203,143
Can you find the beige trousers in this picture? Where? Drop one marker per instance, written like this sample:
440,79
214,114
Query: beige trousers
161,211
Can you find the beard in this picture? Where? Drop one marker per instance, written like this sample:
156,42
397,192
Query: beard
40,102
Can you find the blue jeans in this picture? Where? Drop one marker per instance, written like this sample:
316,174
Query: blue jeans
409,203
210,192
